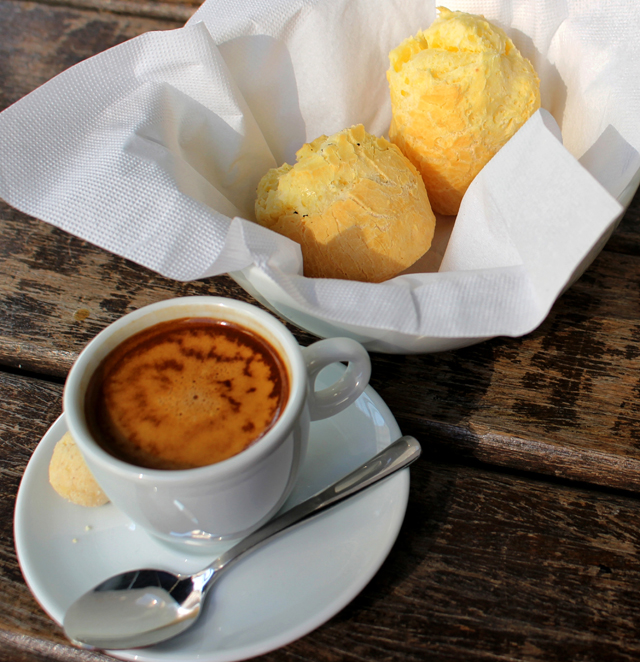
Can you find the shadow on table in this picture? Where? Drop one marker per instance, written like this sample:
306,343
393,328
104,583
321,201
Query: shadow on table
448,388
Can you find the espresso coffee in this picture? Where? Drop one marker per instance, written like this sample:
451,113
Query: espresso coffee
186,393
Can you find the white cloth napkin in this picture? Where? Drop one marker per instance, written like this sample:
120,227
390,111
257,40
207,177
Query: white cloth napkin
153,150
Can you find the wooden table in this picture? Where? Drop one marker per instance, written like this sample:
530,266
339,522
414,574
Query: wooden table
522,537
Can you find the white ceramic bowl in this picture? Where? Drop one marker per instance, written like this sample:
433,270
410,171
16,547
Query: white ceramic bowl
254,281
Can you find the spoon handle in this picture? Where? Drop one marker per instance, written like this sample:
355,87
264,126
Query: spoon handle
396,456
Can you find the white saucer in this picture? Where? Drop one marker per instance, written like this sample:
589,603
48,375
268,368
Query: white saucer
279,593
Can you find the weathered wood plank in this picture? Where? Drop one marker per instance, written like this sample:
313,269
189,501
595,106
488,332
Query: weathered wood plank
27,408
38,41
626,238
170,10
58,292
562,400
488,565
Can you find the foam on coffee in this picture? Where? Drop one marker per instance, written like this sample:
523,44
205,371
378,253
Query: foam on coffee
186,393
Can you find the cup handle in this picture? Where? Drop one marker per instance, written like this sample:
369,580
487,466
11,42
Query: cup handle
338,396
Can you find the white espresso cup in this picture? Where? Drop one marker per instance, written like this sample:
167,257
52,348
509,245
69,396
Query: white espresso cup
232,497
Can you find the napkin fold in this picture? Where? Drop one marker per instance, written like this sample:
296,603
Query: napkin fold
154,148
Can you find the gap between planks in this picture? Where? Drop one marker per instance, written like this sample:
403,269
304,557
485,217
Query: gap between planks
170,10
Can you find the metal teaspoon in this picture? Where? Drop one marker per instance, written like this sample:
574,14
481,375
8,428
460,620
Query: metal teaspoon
144,607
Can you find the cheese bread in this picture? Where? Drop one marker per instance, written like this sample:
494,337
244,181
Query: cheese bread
459,90
355,204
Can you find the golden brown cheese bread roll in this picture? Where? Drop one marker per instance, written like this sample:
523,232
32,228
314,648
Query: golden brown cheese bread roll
355,204
71,478
459,91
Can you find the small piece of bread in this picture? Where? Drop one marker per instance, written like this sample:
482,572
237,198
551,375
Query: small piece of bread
71,478
355,204
459,91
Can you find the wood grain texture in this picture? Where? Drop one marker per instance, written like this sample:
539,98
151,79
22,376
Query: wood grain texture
171,10
38,41
27,408
57,292
488,566
562,400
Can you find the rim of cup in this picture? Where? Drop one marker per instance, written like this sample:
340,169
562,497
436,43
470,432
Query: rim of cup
245,314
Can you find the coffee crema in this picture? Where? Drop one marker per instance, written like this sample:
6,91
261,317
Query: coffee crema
186,393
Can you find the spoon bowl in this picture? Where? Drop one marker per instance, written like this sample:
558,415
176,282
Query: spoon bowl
135,609
144,607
